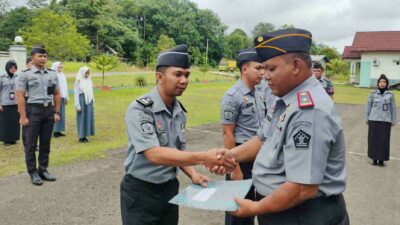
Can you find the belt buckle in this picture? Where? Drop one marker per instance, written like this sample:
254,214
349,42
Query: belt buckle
46,104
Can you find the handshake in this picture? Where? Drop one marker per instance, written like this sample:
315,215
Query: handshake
219,161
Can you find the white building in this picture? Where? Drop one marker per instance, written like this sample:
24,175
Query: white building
373,54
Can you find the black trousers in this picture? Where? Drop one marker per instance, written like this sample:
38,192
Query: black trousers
234,220
144,203
41,122
317,211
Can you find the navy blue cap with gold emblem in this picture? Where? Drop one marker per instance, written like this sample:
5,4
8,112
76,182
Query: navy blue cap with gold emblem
176,57
247,55
284,41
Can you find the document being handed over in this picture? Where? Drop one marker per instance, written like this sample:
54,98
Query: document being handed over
217,196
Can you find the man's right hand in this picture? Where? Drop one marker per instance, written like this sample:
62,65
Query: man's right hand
220,161
24,121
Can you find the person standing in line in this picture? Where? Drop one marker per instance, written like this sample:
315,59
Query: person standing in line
380,115
59,127
84,103
318,71
9,117
38,112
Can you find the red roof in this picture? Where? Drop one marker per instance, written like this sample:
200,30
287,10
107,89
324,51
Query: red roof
372,42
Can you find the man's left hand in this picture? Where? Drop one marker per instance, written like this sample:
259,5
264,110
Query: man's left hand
56,117
246,208
200,179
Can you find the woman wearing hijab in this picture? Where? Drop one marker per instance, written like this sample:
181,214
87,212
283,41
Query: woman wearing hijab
59,127
380,116
84,103
9,117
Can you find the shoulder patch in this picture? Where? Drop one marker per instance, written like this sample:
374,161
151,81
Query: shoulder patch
304,99
183,108
145,102
26,70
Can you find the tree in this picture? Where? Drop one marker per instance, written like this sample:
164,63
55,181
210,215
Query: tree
235,41
165,42
262,28
330,53
36,4
338,67
4,5
105,63
10,24
58,33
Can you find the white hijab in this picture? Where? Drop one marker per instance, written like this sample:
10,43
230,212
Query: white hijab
62,80
85,85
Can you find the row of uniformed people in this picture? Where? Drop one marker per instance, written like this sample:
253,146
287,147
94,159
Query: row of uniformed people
41,103
299,170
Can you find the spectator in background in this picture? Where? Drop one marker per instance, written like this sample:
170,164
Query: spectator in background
9,117
59,127
29,62
84,103
380,117
318,71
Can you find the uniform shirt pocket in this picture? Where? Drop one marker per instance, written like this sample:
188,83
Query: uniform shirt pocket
162,137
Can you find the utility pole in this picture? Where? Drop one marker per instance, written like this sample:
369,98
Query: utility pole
206,65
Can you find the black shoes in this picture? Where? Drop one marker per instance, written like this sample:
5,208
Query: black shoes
46,176
377,163
83,140
36,180
10,143
58,134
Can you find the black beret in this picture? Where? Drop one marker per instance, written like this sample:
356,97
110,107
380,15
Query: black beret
247,55
176,57
284,41
38,49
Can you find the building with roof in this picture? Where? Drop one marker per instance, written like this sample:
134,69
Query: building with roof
372,54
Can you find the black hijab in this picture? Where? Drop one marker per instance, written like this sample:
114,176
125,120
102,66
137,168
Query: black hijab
382,90
9,64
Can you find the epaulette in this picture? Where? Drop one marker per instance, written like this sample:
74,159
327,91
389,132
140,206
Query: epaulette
25,70
232,91
183,108
145,101
51,70
305,100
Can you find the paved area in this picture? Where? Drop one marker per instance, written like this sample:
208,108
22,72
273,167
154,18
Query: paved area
88,192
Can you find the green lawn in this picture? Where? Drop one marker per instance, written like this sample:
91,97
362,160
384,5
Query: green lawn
201,100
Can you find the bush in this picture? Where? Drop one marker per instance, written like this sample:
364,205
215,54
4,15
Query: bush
141,81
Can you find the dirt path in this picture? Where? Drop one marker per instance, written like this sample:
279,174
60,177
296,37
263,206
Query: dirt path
88,192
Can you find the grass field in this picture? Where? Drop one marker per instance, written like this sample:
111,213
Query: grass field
201,100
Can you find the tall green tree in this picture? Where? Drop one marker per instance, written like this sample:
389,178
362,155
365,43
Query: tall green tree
235,41
165,42
58,33
10,24
262,28
36,4
102,22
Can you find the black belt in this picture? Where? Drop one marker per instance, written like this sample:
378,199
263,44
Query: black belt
149,185
39,105
314,202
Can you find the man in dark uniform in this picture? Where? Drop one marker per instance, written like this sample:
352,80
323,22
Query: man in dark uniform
38,112
318,71
156,125
243,107
299,170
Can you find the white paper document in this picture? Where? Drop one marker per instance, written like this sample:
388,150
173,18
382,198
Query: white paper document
217,196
